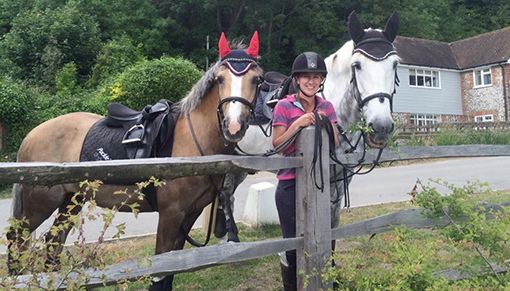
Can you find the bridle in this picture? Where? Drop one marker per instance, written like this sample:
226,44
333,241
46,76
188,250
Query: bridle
221,116
380,95
250,105
362,102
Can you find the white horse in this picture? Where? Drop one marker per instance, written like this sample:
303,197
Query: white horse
361,81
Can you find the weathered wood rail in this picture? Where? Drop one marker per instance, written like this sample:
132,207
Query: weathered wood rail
408,130
314,234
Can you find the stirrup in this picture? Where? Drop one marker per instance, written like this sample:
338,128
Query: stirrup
134,135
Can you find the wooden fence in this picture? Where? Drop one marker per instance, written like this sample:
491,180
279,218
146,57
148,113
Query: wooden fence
313,211
408,130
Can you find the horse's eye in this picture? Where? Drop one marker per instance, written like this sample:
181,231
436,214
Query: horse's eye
356,65
255,80
395,64
220,79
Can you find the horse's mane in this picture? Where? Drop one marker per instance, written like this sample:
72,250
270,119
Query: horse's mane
204,85
339,67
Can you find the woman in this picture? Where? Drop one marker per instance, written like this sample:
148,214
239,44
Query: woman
295,111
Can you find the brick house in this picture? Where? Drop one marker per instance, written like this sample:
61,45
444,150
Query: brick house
467,80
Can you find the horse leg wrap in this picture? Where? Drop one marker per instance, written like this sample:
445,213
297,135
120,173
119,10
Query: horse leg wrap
220,228
164,284
289,277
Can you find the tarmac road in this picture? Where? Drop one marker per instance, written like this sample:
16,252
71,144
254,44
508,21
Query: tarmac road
382,185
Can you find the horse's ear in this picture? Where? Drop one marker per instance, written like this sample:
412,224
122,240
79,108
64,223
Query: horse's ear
253,50
223,46
355,28
392,27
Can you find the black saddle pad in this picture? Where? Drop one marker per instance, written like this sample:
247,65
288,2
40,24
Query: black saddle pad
103,143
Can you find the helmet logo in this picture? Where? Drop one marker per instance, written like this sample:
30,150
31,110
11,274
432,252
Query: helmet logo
313,65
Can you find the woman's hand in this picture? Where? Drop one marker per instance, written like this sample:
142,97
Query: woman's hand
305,120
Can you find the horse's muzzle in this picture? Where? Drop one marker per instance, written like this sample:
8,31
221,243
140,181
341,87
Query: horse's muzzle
380,135
234,131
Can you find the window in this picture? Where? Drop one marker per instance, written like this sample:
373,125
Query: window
483,77
424,119
484,118
424,78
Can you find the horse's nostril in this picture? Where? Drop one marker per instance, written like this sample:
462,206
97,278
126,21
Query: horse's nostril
392,127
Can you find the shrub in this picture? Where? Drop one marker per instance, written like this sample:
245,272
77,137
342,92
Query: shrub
115,56
149,81
66,79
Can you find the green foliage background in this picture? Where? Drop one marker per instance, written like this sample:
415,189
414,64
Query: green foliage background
77,55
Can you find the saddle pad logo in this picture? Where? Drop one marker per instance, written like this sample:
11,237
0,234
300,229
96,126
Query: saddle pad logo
100,155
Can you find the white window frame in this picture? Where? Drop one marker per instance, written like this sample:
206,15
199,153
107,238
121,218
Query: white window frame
482,72
422,119
484,118
424,73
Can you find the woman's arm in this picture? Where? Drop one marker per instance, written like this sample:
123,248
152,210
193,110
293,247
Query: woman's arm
281,133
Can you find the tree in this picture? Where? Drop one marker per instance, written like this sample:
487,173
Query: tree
41,42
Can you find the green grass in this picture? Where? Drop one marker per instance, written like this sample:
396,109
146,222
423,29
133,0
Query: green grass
5,191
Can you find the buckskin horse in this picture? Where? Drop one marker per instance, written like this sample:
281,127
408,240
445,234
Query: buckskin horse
362,79
212,118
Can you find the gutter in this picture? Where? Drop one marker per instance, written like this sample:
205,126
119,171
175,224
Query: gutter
505,98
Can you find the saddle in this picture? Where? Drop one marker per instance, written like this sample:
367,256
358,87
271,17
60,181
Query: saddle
145,131
129,134
275,87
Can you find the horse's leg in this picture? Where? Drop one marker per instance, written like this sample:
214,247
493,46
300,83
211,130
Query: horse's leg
171,218
225,216
62,223
34,204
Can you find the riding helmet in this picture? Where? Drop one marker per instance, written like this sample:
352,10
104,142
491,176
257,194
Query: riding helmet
309,62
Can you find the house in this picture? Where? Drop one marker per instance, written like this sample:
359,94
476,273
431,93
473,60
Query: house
463,81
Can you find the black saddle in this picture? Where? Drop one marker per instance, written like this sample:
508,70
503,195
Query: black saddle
129,134
275,87
145,131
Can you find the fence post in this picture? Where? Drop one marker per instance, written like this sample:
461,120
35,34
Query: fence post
313,219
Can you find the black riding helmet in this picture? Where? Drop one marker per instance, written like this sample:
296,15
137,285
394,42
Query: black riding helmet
309,62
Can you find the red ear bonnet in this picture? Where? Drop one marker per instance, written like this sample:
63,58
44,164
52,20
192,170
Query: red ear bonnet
223,46
253,50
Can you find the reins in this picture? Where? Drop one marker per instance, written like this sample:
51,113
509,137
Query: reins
216,193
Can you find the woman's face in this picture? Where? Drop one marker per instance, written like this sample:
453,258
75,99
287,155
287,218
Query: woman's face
309,83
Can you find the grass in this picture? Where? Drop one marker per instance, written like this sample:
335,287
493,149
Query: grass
5,191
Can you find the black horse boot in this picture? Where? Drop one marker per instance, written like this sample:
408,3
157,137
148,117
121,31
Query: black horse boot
164,284
289,277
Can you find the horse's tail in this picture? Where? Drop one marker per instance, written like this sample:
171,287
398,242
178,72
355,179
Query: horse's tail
17,200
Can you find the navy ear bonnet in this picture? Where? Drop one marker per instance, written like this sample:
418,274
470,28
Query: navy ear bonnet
238,61
375,45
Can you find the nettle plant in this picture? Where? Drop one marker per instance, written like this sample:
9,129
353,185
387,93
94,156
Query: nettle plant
67,270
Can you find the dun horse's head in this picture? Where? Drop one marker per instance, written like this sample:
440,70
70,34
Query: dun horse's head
374,74
237,78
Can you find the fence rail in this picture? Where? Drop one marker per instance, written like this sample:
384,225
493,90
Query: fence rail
408,130
169,168
314,234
